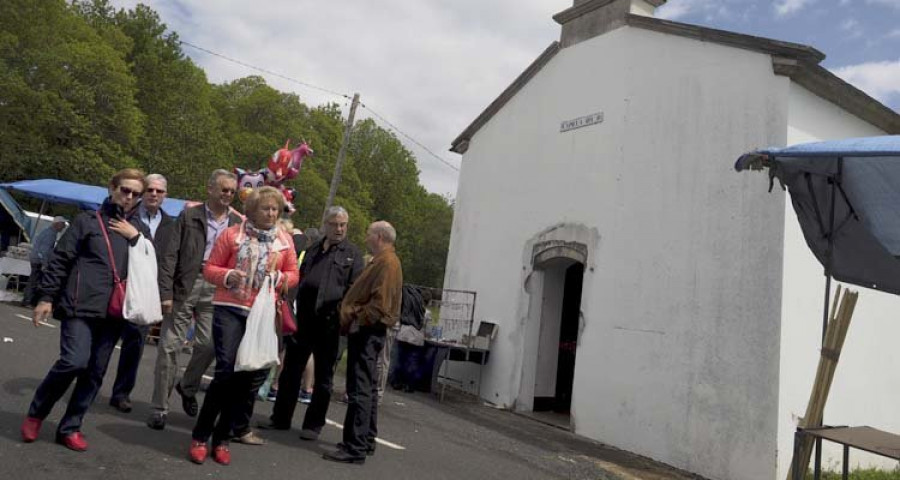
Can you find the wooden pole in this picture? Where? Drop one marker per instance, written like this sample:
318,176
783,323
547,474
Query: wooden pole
339,165
835,335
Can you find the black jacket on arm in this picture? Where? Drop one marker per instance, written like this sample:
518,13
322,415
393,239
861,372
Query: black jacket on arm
183,248
412,308
79,279
164,235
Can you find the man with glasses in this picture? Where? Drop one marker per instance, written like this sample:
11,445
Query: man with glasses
187,297
329,268
150,213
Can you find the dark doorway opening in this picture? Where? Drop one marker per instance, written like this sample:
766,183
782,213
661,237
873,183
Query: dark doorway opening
567,348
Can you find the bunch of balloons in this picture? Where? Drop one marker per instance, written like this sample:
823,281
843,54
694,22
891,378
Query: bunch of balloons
284,165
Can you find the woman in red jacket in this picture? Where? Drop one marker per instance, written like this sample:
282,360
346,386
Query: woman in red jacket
240,260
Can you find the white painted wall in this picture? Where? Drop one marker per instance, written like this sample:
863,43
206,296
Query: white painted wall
678,357
862,394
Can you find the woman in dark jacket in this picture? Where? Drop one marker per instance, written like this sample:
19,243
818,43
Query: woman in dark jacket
79,281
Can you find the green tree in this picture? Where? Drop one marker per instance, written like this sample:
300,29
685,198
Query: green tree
67,99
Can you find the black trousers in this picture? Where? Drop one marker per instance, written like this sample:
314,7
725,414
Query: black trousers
133,337
320,340
361,422
226,398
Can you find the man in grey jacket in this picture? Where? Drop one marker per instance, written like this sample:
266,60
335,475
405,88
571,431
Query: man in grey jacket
41,251
187,297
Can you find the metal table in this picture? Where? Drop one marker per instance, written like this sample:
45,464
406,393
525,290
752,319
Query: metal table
447,352
862,438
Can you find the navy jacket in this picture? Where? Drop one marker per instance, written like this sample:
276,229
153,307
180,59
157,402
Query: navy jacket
78,278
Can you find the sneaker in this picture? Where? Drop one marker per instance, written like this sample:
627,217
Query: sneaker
305,397
73,441
157,421
272,395
221,454
31,428
198,452
249,438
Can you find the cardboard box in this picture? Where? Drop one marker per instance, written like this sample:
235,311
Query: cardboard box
487,331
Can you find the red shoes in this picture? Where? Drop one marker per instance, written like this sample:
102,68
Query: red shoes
31,428
198,451
73,441
222,455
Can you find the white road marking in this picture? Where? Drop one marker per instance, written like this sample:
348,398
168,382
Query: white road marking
377,440
29,319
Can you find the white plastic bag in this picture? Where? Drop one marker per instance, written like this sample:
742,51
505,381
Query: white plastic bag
142,305
259,346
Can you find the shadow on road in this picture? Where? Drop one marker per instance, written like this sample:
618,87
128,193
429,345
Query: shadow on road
21,386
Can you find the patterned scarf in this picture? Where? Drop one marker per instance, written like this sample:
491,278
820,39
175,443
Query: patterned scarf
252,259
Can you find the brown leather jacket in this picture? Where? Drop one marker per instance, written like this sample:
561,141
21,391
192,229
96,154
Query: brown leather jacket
377,293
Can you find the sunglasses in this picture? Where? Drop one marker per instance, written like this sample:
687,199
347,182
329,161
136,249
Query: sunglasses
155,190
129,192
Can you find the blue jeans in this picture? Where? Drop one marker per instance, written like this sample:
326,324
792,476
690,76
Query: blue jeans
85,346
230,393
133,337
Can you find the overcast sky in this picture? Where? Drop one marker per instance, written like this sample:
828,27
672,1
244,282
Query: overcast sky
431,66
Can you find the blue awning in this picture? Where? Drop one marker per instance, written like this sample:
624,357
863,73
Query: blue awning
16,213
846,194
86,197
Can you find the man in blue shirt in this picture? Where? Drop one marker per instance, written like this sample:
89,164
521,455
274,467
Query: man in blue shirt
133,336
41,251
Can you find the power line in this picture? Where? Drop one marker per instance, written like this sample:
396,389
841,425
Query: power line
326,90
401,132
285,77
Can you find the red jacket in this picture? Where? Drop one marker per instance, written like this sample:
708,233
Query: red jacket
223,258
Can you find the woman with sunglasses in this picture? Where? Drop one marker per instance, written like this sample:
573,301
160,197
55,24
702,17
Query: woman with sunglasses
79,281
241,259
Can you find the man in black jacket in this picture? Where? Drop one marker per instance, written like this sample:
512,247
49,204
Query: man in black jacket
159,224
329,268
187,297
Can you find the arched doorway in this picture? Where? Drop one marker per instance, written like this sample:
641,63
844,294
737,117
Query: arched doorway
552,330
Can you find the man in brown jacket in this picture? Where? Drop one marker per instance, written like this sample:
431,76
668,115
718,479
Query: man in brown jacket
371,306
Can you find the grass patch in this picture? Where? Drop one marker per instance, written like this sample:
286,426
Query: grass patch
861,474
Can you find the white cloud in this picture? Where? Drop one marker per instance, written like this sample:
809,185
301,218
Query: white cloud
881,80
709,10
852,27
429,67
895,33
888,3
784,8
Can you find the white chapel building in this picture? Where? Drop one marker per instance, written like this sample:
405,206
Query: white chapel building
664,302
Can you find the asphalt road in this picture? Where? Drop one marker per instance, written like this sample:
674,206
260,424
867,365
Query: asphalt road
422,438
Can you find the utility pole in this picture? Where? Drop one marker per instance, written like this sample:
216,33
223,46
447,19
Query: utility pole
336,178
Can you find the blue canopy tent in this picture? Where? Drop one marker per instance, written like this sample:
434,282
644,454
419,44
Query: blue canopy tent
86,197
846,194
15,212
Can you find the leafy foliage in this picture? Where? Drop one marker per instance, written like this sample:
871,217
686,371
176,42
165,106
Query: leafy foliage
86,90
